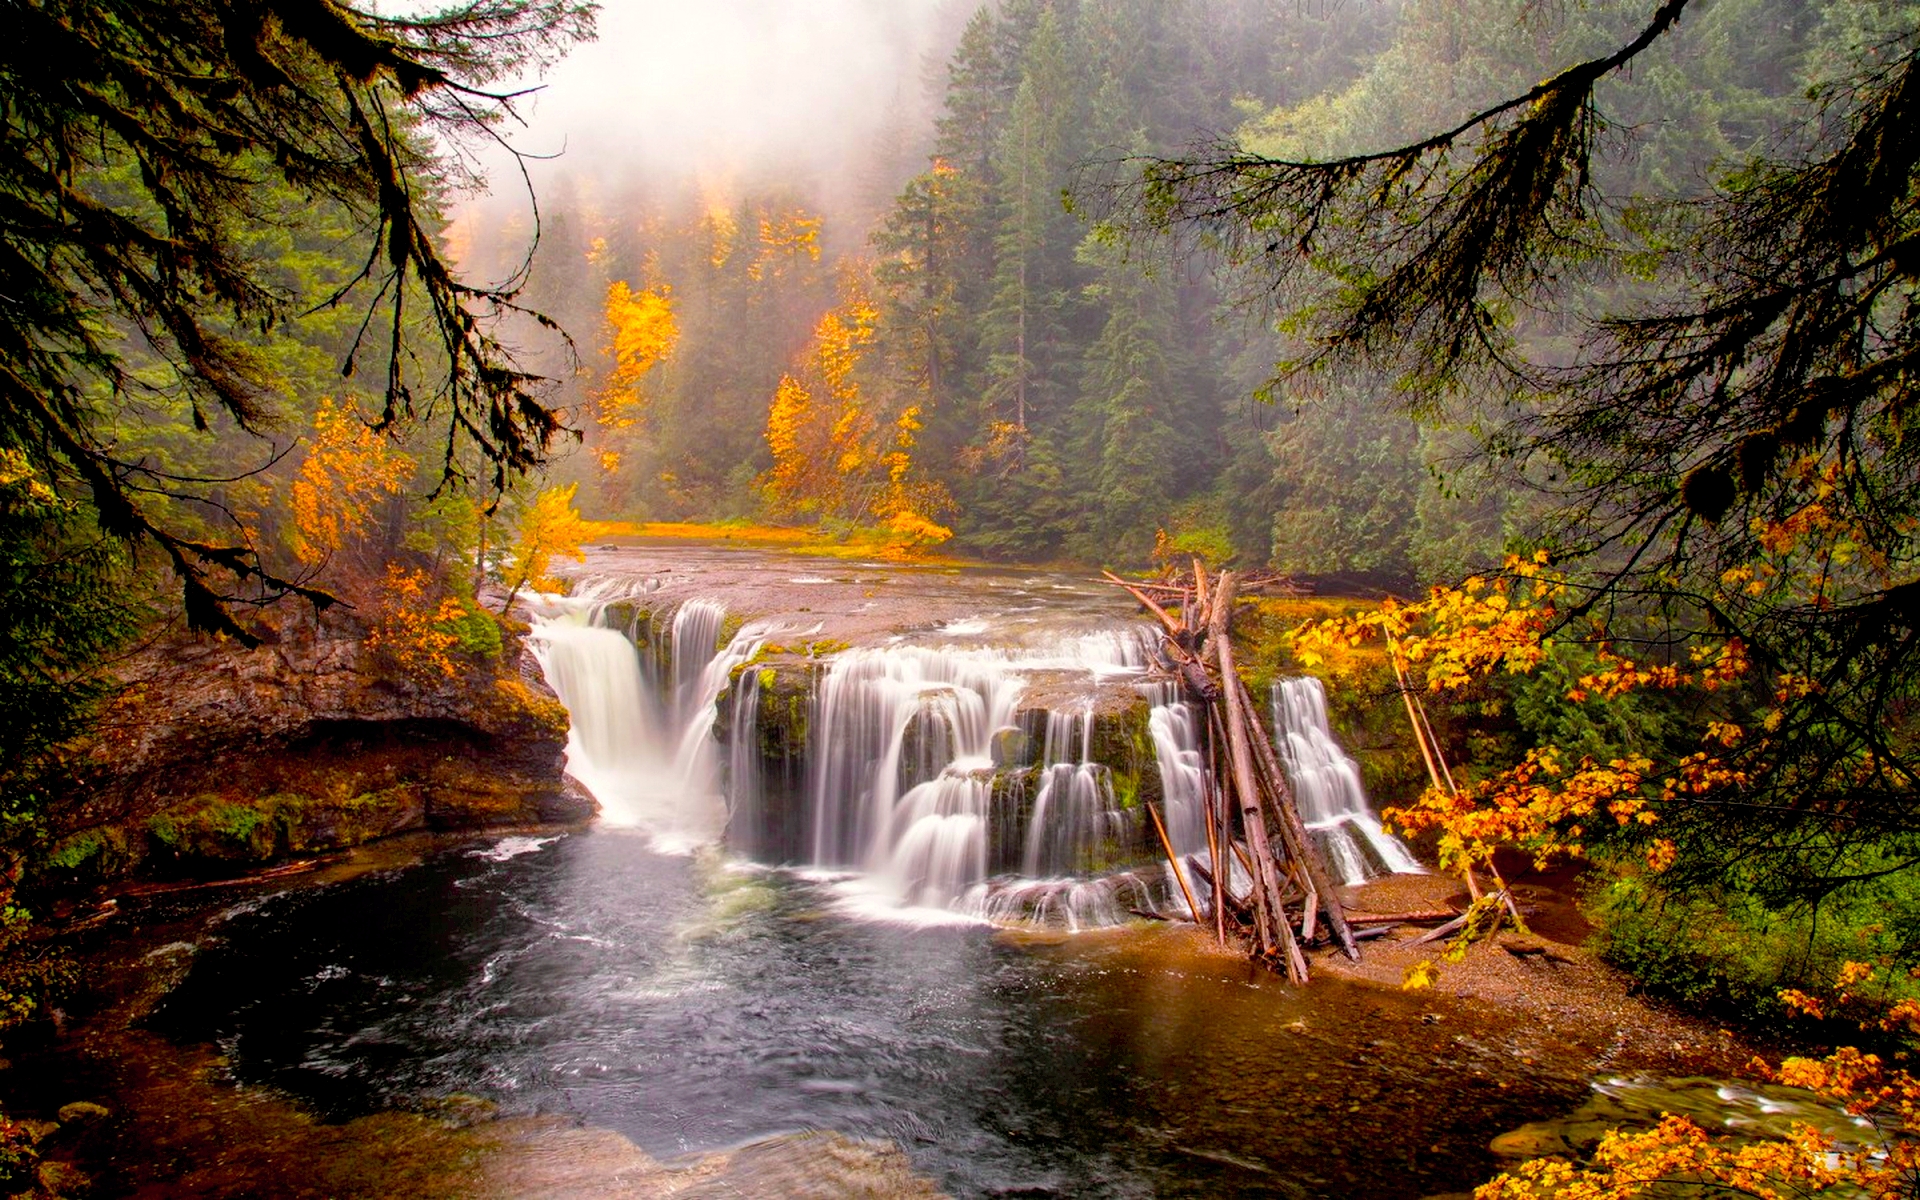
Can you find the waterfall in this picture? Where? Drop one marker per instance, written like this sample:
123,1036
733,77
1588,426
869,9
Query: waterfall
921,773
744,785
1327,787
902,758
957,780
650,760
1075,801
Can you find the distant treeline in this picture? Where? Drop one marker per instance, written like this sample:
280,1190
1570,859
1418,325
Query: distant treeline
979,358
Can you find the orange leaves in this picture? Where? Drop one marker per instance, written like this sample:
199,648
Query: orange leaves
1617,676
643,331
1536,806
349,470
1700,774
409,628
1544,805
1677,1157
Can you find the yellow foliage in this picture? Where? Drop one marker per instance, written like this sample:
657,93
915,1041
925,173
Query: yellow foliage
548,528
1542,804
818,425
1678,1157
409,625
792,234
17,474
348,471
723,233
836,449
643,331
788,418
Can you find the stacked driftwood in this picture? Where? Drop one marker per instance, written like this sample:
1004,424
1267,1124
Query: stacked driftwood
1251,816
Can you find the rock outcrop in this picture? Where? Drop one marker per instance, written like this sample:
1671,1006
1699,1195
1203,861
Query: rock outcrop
216,757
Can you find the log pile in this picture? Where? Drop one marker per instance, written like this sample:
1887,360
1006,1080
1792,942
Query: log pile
1251,816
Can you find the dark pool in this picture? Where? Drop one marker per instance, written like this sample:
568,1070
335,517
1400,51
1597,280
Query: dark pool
692,1005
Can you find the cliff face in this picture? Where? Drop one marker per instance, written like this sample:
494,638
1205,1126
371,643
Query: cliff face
216,756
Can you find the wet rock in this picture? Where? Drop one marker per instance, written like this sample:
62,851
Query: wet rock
83,1112
460,1110
38,1131
1535,1140
63,1179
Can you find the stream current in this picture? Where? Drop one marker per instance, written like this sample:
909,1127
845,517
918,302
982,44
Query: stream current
691,1005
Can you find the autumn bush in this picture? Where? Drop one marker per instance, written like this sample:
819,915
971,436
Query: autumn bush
1640,755
422,631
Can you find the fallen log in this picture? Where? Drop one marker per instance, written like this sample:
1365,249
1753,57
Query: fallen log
1373,931
266,875
1273,926
1411,918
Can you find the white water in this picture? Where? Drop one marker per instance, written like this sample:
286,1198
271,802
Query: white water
905,746
899,800
1327,788
651,761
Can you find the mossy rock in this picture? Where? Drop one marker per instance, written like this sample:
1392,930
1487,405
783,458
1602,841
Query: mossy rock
785,713
632,619
1012,747
460,795
214,829
313,825
92,856
518,702
1123,743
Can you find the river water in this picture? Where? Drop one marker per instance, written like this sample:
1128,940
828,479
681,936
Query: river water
647,980
693,1004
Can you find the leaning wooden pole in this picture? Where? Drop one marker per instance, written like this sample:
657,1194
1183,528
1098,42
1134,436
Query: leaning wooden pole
1173,863
1272,915
1298,842
1429,746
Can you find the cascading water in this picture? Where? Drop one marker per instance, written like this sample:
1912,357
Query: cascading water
651,761
1327,788
1074,805
1176,748
920,779
928,772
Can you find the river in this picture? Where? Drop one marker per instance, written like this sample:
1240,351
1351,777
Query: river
638,978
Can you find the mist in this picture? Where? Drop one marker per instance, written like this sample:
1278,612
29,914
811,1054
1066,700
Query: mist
726,92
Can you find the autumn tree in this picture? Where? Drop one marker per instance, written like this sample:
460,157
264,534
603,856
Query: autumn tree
1724,399
548,527
219,111
349,476
821,424
642,331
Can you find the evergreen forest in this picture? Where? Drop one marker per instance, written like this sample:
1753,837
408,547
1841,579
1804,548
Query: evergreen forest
1542,375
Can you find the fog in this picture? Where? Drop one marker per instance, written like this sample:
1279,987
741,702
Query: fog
675,91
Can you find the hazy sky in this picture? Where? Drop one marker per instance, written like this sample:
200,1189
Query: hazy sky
683,88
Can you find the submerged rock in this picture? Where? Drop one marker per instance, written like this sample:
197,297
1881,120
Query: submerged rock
82,1112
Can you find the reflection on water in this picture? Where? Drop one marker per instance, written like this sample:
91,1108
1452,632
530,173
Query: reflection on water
691,1005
